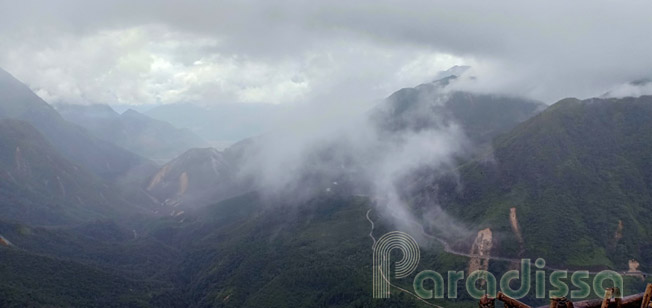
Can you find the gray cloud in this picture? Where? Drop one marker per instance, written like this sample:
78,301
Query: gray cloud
295,51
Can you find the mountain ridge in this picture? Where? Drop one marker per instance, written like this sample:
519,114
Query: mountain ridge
575,170
102,158
132,130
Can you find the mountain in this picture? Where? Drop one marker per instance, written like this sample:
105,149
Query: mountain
102,158
484,115
280,240
63,283
430,105
571,184
220,124
241,252
579,177
249,252
197,177
132,130
97,264
39,186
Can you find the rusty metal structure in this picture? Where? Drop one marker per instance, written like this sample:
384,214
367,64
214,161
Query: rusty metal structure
508,302
612,299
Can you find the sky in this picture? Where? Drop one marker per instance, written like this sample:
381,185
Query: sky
292,52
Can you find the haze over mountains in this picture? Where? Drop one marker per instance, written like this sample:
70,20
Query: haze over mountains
280,220
102,158
41,187
220,124
132,130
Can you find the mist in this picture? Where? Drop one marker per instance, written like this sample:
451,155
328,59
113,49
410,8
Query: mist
381,151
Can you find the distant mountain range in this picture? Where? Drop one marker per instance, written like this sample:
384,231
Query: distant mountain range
100,157
131,130
220,124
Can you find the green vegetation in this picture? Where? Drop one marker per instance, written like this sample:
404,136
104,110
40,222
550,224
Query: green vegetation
34,281
243,252
572,172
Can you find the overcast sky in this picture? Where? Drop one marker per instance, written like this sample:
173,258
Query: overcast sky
283,52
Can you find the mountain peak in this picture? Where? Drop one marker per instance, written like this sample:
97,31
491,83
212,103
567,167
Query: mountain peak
94,110
6,76
132,113
457,70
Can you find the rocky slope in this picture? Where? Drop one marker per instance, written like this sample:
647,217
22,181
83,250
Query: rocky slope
197,177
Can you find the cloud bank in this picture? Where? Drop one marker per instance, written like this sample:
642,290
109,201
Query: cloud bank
146,52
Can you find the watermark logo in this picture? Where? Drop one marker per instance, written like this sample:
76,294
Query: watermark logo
479,282
403,268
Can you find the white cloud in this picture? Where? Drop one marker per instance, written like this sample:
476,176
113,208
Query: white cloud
153,64
293,51
631,89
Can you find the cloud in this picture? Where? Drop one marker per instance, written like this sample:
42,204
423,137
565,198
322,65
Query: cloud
153,64
294,51
635,89
145,65
321,150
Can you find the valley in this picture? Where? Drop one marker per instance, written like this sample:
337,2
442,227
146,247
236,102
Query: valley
257,202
